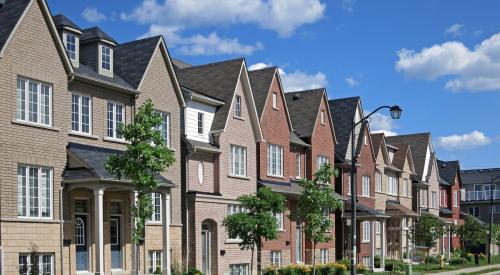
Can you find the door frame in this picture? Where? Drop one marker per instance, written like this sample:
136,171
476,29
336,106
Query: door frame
208,248
121,231
88,231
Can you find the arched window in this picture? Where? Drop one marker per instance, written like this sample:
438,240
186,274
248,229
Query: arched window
79,231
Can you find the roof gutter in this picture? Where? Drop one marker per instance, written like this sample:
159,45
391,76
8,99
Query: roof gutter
104,84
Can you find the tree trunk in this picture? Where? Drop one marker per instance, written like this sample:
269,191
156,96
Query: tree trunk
251,262
314,258
259,258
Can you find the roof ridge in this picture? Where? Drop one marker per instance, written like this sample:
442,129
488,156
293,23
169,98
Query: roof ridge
345,98
263,69
307,90
214,63
139,40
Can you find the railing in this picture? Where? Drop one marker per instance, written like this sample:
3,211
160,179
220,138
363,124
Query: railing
481,195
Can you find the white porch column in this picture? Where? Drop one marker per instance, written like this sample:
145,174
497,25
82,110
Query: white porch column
99,230
165,221
442,241
373,238
384,242
133,245
449,241
401,238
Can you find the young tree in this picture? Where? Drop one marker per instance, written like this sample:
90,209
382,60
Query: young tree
472,235
426,231
145,157
257,222
314,206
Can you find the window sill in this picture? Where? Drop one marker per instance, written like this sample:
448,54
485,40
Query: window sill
83,135
238,117
233,241
122,141
154,223
30,220
276,177
35,125
238,177
365,241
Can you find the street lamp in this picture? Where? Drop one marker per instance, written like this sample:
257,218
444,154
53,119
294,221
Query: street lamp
395,114
493,178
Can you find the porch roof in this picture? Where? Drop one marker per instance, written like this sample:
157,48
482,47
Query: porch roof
89,164
394,209
363,211
291,188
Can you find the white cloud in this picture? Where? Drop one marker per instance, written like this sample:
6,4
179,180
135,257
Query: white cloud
92,15
348,5
476,69
465,141
211,44
282,16
380,123
455,30
297,80
351,82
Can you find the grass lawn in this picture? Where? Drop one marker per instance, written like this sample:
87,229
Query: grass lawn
481,272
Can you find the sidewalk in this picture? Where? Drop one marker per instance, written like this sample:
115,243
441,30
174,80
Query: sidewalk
471,269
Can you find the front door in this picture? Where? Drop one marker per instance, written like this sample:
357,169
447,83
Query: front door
206,248
81,242
115,239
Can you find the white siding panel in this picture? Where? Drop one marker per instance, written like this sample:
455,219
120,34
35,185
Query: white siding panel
192,110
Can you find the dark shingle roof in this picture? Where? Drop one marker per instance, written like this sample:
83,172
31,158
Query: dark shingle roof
9,16
297,141
377,141
479,176
394,208
217,80
95,33
261,81
418,143
343,111
93,159
303,107
399,158
203,146
179,64
131,59
87,71
62,21
448,170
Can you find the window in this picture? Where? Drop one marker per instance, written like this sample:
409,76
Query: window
233,209
365,140
79,231
442,198
279,219
45,264
237,106
105,58
405,187
156,198
80,113
378,182
455,198
423,198
71,46
404,223
115,117
201,172
274,160
366,231
433,199
276,258
297,165
323,256
474,211
275,103
323,117
34,102
155,265
366,261
322,160
238,161
164,127
34,199
238,269
366,186
349,185
200,123
497,208
392,185
378,228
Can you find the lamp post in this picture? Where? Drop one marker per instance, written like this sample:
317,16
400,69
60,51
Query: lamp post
395,114
492,184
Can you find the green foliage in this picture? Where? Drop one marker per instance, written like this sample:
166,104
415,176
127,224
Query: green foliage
193,271
346,263
432,260
394,265
257,222
472,234
377,260
335,268
426,230
33,267
457,261
146,156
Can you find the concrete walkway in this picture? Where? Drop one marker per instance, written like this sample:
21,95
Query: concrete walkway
471,269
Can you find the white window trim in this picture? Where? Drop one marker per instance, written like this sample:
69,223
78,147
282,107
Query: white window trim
202,123
233,209
276,255
237,106
40,262
152,220
232,161
79,131
365,192
115,122
26,101
378,181
242,266
405,187
280,221
155,259
163,114
455,198
275,100
321,160
322,117
102,57
66,36
298,168
323,255
51,191
433,199
366,231
271,150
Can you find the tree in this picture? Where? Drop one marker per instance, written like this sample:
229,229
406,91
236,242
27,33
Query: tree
33,266
257,222
472,234
314,206
426,231
145,157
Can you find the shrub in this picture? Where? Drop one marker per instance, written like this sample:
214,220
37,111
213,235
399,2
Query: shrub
346,263
377,261
192,271
457,261
361,268
482,257
270,270
394,265
432,260
469,257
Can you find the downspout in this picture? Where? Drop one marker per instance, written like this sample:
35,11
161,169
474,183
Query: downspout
61,230
186,183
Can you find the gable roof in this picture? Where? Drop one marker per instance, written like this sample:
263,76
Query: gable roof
343,111
95,33
448,171
10,14
217,80
400,156
419,144
303,107
62,21
261,81
479,176
377,141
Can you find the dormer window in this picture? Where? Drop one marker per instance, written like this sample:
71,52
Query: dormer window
105,58
71,46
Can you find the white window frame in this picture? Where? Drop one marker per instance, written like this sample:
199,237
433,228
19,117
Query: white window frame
243,269
237,106
275,101
26,104
39,190
321,160
238,158
323,256
157,216
233,209
455,198
71,54
114,122
322,117
349,186
366,232
378,181
298,166
166,135
105,58
80,113
276,259
392,185
40,263
155,256
365,192
201,119
405,187
279,220
378,227
274,160
433,199
366,261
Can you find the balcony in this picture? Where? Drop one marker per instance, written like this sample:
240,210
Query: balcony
481,195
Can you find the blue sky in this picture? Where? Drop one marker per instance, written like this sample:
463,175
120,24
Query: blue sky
438,60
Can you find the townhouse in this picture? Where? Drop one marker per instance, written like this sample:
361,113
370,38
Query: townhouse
66,94
476,193
313,125
219,161
393,193
370,222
